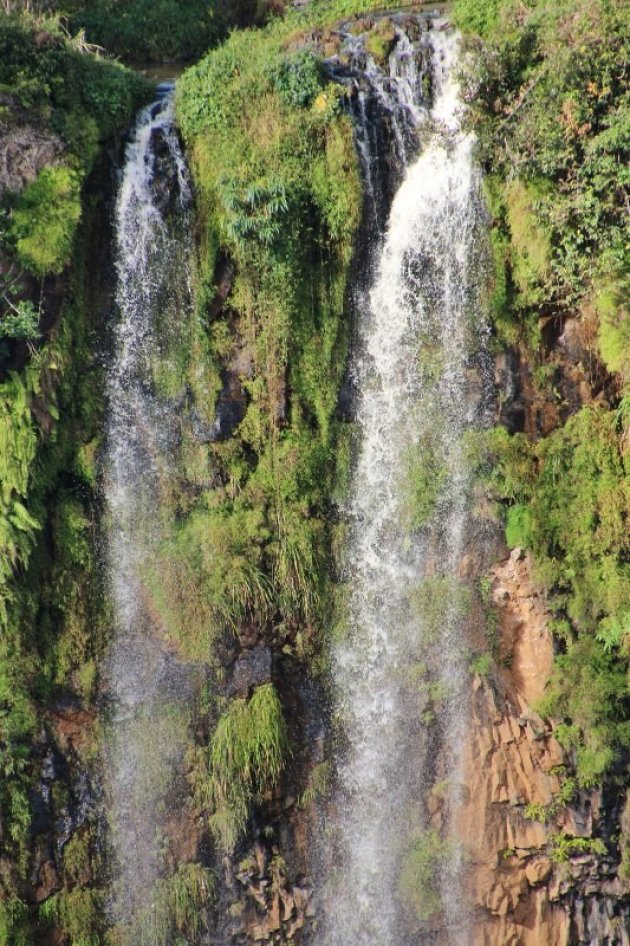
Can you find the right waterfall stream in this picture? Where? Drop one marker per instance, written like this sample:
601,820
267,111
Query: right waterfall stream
421,372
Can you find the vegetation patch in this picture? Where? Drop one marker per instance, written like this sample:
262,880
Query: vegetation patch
418,884
246,757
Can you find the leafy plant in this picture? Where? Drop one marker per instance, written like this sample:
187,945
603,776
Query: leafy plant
20,321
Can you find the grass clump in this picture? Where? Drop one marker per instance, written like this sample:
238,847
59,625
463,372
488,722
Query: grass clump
563,847
427,471
418,884
246,757
179,911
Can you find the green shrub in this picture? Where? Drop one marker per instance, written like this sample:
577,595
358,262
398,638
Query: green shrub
297,78
21,321
590,688
477,16
563,847
45,221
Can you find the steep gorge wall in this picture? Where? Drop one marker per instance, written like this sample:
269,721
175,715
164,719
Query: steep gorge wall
521,896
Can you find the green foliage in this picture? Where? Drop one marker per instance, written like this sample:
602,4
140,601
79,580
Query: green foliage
49,635
280,195
552,109
544,813
476,16
297,78
142,31
563,847
590,688
13,928
569,501
20,321
246,758
82,98
45,219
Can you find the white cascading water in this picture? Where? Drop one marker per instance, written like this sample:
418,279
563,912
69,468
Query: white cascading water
147,688
418,376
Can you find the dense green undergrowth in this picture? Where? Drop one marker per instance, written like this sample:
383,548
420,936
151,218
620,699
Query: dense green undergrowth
279,192
52,607
549,101
76,102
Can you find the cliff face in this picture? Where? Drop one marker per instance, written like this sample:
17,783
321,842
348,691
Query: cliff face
526,889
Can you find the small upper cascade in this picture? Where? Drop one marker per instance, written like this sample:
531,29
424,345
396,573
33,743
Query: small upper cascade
419,370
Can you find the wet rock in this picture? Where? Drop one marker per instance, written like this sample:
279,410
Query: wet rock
252,669
24,152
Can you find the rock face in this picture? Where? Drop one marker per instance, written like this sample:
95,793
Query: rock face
523,890
24,151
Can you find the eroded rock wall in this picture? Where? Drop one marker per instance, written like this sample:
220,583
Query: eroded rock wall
524,891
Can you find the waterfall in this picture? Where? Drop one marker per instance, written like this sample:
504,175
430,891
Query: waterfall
401,671
147,688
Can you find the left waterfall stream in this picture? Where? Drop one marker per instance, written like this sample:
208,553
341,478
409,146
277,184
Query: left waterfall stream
148,690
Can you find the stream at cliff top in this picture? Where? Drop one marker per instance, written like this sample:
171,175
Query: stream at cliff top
401,671
148,689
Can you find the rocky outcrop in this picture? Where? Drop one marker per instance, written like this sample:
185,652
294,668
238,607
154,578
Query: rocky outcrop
24,151
542,868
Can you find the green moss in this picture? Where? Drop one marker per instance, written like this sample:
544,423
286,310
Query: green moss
77,913
530,241
518,527
381,40
426,475
614,329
